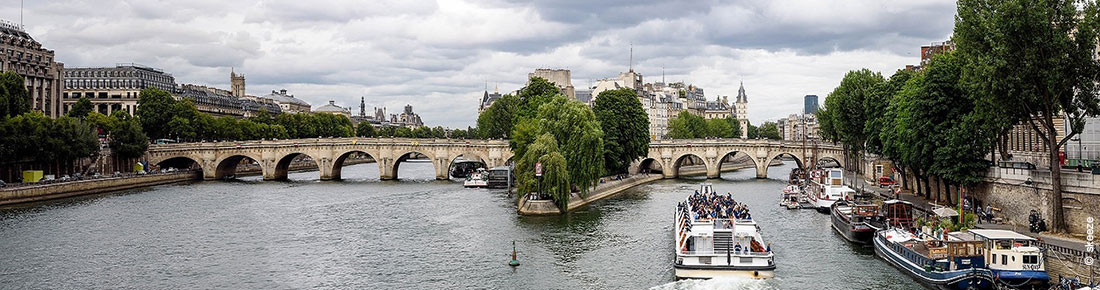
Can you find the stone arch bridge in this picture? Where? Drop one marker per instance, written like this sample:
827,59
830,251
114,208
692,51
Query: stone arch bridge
220,159
669,156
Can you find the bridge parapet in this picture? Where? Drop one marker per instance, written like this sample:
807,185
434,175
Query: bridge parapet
670,154
219,159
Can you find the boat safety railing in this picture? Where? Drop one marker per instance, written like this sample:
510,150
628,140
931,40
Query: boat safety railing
732,253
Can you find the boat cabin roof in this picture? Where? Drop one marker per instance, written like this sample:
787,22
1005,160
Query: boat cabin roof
896,201
1001,235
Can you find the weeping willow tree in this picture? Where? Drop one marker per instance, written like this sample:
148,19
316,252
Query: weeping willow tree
555,177
577,147
575,128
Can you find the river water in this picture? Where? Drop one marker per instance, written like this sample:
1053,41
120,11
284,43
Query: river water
362,233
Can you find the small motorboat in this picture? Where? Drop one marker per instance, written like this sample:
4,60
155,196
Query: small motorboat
790,200
479,178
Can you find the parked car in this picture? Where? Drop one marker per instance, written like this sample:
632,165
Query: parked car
885,181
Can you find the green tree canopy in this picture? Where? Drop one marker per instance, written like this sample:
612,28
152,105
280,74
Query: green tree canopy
81,108
687,126
13,95
1039,58
735,127
625,126
127,139
575,129
555,176
769,130
846,107
365,129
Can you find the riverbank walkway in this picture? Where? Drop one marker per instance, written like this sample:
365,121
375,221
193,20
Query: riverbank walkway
1068,253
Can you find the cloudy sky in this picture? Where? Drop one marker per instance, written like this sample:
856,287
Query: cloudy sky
439,55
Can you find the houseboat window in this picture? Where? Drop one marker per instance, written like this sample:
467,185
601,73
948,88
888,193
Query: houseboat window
1004,259
1031,259
994,259
1014,258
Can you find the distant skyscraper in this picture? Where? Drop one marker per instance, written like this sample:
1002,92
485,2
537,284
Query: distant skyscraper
811,104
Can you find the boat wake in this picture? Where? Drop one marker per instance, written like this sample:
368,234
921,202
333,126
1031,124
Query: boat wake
716,283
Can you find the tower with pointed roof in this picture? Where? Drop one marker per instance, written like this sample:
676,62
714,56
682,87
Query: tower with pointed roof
742,105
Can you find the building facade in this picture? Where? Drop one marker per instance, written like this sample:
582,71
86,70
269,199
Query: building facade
718,109
559,77
236,84
288,103
219,102
113,89
407,119
798,127
43,76
332,108
810,104
488,100
742,105
1025,145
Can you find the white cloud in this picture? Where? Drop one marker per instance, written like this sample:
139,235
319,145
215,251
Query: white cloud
439,55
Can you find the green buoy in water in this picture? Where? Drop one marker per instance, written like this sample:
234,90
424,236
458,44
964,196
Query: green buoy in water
513,262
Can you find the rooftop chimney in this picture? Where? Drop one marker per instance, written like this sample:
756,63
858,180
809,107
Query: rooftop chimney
283,91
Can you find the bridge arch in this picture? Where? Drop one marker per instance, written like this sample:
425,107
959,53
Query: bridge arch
646,165
830,159
404,155
338,162
798,159
283,163
450,161
693,159
227,165
185,162
731,155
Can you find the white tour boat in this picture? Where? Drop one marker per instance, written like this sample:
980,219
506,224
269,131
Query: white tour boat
827,187
479,178
716,237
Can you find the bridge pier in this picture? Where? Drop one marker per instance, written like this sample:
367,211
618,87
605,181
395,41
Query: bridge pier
442,167
712,172
762,168
386,170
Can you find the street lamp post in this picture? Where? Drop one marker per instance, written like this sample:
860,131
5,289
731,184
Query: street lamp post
1080,157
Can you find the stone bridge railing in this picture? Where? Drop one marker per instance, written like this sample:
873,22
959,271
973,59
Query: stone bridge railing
219,159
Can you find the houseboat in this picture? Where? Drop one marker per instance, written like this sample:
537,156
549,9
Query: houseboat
826,187
1015,259
854,221
501,177
716,237
937,262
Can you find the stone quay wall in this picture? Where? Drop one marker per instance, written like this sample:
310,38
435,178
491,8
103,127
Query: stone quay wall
35,193
611,188
1008,190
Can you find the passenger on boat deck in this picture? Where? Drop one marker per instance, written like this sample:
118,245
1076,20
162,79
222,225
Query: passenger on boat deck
712,206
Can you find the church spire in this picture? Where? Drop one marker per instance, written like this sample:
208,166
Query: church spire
631,57
741,97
